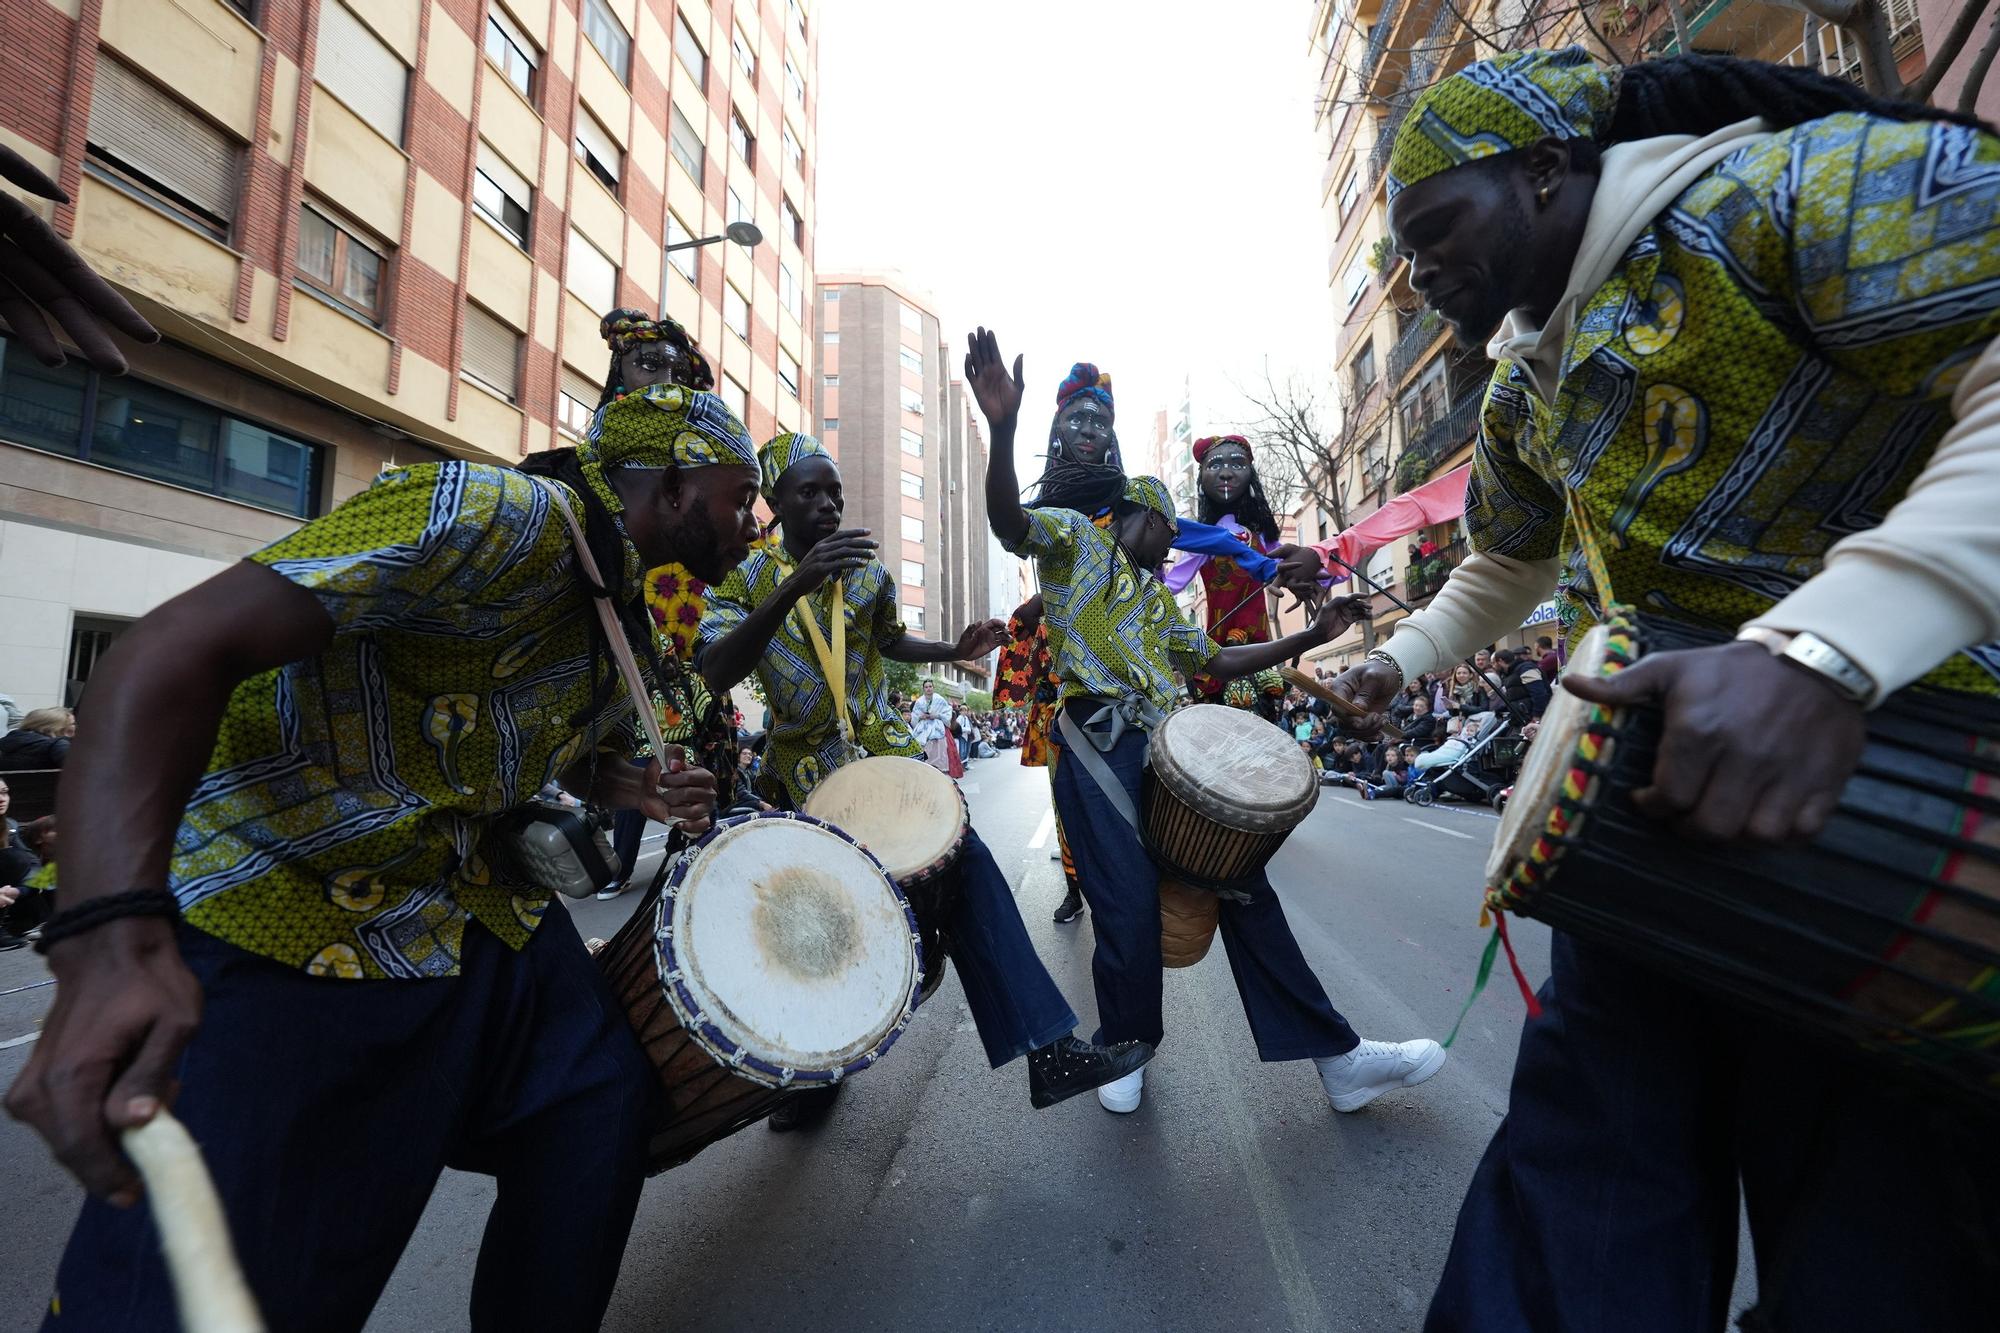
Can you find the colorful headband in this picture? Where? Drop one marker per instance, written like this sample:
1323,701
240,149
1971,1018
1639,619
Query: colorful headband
1207,442
777,457
660,426
1496,106
622,330
1152,493
1085,378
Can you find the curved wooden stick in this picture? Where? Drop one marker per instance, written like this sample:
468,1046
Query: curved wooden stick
1293,676
208,1284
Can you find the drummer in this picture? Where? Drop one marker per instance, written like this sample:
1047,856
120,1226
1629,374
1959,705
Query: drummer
273,913
755,623
1118,638
1744,319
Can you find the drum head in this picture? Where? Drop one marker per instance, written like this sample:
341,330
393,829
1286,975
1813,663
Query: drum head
1234,767
786,949
904,811
1535,791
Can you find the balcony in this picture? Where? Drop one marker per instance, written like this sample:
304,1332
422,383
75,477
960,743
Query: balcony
1439,439
1426,575
1378,37
1408,353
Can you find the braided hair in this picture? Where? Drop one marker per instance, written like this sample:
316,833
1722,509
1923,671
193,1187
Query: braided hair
1699,94
1069,483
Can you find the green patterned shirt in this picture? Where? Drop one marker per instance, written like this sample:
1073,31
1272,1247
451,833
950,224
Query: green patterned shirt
1766,371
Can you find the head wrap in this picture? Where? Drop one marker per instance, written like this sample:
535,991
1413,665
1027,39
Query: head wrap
1207,442
1496,106
775,458
1152,493
660,426
1085,378
622,330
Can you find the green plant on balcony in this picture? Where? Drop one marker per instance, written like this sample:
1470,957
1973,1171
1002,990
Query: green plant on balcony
1383,256
1411,469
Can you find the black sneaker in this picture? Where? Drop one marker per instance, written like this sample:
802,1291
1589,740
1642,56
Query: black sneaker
1072,907
802,1110
1066,1067
9,940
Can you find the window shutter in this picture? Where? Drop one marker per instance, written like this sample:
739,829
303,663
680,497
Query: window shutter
159,138
599,141
361,71
492,351
583,390
511,182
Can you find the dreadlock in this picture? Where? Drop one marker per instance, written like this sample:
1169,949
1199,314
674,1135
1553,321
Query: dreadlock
1699,94
1253,510
1068,483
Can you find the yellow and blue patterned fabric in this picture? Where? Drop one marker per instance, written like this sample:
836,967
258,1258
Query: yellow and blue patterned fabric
1765,372
336,828
1152,493
660,426
1113,628
804,744
774,458
1496,106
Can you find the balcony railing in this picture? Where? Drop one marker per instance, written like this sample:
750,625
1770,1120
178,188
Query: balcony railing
1438,439
1378,36
1427,574
1414,342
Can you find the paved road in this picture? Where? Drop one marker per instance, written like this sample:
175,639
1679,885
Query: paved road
935,1198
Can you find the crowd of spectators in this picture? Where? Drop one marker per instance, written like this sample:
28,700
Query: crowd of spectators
36,740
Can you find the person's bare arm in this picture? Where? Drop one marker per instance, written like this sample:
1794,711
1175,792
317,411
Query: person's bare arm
727,661
999,394
125,1004
980,638
1245,658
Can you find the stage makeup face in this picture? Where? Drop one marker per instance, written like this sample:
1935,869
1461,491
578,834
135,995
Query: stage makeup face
1225,473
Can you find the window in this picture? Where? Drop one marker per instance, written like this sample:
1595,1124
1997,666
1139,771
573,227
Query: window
43,407
338,264
913,618
359,68
738,210
789,294
832,425
149,145
576,405
1353,283
1350,190
90,639
788,372
499,192
688,48
492,353
913,401
794,226
913,574
509,48
741,139
592,276
608,35
686,262
829,336
913,485
685,144
797,15
745,53
913,529
733,394
912,360
832,381
831,294
794,85
794,153
735,312
597,150
913,445
913,319
1364,366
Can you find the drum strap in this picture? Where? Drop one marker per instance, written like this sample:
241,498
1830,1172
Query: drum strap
832,660
1133,712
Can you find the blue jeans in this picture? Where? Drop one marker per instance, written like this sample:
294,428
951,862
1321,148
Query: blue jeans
328,1108
1290,1016
1015,1003
1608,1198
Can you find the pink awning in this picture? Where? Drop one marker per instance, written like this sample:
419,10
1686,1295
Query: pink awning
1440,500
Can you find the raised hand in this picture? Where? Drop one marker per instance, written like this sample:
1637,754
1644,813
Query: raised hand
998,392
41,275
835,556
980,639
1339,613
1299,569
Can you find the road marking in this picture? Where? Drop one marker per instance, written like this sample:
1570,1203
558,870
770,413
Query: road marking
1448,832
1042,830
18,1041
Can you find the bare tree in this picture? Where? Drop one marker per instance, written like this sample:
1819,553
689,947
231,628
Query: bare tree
1304,450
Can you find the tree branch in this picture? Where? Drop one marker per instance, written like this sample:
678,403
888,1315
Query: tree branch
1948,49
1975,73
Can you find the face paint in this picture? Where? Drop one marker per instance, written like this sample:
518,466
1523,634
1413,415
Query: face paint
1225,474
657,362
1084,431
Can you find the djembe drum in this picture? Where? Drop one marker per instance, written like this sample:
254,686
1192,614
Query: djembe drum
779,956
1884,931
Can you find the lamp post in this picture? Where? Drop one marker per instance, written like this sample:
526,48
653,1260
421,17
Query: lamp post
744,234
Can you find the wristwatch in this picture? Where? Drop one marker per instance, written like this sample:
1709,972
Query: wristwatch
1816,655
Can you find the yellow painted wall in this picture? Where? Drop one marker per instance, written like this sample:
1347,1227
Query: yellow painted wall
597,215
394,21
451,60
498,275
351,165
138,248
435,223
507,122
203,47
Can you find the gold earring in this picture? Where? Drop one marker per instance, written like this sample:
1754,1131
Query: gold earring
1543,196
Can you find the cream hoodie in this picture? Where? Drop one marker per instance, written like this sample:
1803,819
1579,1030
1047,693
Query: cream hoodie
1898,598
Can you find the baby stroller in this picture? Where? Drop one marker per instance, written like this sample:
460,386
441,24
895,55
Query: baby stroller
1481,774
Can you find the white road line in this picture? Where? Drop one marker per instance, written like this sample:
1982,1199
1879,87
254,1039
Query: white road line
18,1041
1449,833
1042,830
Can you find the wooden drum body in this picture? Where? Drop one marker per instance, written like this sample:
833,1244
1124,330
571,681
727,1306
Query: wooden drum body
1222,791
779,956
913,819
1884,931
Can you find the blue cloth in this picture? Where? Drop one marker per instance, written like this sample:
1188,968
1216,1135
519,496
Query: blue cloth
1290,1016
328,1108
1207,539
1608,1196
1015,1004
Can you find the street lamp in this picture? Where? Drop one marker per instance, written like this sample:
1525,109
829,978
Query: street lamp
744,234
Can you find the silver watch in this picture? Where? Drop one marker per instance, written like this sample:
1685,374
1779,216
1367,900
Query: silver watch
1817,656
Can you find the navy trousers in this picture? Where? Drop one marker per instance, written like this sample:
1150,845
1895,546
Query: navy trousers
1608,1198
1290,1016
327,1109
1014,1001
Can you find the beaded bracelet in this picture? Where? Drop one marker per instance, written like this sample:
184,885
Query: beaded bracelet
1381,655
95,912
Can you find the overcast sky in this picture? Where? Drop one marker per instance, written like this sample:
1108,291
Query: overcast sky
1131,183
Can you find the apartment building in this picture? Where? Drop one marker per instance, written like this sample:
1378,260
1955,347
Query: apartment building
372,233
911,451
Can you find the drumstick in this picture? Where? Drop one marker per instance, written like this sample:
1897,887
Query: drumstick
1293,676
208,1285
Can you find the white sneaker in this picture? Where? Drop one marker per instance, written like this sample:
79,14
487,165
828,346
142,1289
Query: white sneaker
1374,1067
610,891
1122,1094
